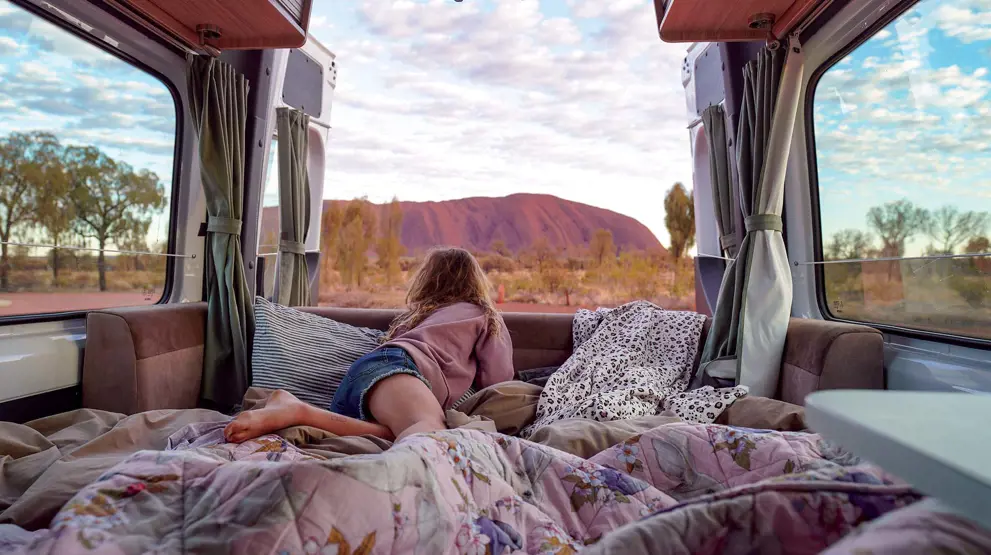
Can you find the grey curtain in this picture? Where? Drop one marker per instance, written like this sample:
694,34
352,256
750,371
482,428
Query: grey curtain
714,124
219,98
754,304
294,207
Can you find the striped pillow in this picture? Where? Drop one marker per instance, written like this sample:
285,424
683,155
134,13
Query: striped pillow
471,391
305,354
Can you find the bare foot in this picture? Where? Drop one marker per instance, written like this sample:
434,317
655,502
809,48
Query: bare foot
282,410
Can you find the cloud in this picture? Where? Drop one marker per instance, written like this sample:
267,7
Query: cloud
8,46
967,20
437,100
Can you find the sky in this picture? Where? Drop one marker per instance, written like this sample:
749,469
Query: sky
53,81
580,99
908,115
440,100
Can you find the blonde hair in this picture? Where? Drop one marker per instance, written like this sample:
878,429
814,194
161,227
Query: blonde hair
447,276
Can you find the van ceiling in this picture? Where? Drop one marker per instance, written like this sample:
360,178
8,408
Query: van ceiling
730,20
224,25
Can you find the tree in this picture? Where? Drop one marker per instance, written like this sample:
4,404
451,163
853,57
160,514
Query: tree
498,246
358,227
134,240
895,223
112,201
679,218
979,245
54,212
23,159
390,245
948,227
849,244
541,252
330,235
602,248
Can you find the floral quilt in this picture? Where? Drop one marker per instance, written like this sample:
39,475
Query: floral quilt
702,487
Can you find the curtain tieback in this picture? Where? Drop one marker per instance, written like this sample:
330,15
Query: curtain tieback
219,224
763,222
295,247
728,241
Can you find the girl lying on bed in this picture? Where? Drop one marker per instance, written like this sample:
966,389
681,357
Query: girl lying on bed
449,338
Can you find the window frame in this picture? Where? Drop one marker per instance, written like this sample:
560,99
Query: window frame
813,167
180,116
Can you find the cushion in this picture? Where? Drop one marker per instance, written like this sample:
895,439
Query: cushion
305,354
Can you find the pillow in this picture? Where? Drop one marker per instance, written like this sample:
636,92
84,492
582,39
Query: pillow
305,354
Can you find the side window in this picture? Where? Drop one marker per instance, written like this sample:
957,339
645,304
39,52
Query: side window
87,146
901,135
268,238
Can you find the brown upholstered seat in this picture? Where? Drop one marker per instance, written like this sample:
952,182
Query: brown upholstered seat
144,358
148,358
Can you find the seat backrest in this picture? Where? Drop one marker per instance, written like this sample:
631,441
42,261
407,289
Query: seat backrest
539,340
145,358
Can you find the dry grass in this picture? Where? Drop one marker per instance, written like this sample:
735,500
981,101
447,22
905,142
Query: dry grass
945,298
41,281
524,287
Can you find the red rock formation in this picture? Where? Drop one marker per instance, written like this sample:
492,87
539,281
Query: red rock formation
517,220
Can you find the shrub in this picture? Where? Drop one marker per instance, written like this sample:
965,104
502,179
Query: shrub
118,284
972,290
84,280
497,263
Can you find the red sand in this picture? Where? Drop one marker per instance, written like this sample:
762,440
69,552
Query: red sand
13,304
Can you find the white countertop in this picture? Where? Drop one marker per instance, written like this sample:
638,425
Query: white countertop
938,442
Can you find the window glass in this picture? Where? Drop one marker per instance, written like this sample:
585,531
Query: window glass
268,239
902,141
86,157
544,137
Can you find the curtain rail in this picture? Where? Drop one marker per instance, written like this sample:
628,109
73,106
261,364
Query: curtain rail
71,248
704,255
861,260
894,259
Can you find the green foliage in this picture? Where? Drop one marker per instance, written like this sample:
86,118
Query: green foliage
25,162
679,218
498,246
973,290
390,246
602,249
949,228
497,263
540,254
67,192
113,202
357,235
849,244
895,223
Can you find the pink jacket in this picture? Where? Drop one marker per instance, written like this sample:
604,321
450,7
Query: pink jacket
453,349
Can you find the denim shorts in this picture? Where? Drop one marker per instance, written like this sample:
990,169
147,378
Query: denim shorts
350,399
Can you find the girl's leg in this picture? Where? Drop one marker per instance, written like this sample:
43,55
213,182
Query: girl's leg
283,410
406,406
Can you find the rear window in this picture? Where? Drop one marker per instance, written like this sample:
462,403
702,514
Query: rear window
87,145
902,136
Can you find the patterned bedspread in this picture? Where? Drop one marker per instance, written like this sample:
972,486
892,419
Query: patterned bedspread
631,361
700,488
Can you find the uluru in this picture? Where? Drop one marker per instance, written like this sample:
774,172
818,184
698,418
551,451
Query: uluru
517,220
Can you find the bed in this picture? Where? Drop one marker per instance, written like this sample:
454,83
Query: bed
161,479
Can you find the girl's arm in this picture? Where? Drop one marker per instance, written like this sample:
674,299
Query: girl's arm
494,354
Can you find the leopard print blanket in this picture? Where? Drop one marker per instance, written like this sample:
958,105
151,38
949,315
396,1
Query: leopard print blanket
631,361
